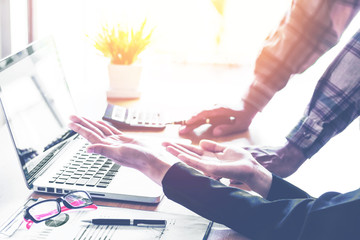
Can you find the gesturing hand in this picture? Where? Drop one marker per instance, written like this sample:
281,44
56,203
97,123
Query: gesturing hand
243,116
125,150
219,161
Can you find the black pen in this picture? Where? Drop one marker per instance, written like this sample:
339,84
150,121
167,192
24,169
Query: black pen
216,120
128,222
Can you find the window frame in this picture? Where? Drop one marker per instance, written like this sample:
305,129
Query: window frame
5,33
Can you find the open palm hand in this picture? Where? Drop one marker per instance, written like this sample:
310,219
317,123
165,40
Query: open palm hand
216,160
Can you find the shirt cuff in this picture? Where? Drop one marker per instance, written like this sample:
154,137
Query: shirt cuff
178,175
305,135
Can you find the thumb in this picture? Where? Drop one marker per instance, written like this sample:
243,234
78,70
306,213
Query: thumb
222,130
211,146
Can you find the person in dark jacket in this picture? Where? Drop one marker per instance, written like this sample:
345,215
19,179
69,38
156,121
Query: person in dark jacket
279,211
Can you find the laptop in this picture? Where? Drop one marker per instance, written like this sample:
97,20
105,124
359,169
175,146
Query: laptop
36,103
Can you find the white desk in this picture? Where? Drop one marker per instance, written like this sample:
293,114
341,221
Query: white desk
165,87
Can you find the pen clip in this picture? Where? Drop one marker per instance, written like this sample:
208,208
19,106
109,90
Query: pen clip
151,225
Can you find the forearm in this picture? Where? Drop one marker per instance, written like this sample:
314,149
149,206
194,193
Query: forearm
157,165
334,104
294,215
260,180
309,30
233,207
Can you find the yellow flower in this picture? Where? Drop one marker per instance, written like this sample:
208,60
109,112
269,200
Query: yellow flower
219,5
121,46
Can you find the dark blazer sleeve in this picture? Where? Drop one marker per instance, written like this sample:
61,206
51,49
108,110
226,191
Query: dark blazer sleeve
281,189
298,216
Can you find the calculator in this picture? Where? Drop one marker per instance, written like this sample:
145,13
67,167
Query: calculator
125,118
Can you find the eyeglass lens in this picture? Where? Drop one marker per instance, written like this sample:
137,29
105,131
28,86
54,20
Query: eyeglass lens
44,210
50,208
78,199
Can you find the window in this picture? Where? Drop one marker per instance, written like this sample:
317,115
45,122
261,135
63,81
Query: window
205,31
222,32
5,47
185,30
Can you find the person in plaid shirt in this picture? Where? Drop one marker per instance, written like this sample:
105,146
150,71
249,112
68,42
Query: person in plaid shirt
304,34
282,211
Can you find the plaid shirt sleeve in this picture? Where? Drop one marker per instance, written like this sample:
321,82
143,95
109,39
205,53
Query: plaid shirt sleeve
334,104
309,29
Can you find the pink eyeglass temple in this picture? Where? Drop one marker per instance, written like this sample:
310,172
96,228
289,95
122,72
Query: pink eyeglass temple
29,222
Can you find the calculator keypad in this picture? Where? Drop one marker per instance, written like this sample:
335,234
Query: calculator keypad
137,117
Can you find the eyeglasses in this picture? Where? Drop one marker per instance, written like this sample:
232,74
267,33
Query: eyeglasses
50,208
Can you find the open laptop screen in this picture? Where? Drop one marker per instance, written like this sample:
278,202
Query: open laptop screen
35,100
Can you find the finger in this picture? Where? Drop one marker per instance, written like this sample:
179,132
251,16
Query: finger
211,146
123,138
96,132
126,155
87,124
195,163
189,147
186,129
173,151
103,128
91,136
196,121
176,151
224,129
209,169
213,111
111,128
110,131
199,119
203,114
192,148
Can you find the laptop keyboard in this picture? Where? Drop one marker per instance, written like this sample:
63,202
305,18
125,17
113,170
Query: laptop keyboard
86,169
42,163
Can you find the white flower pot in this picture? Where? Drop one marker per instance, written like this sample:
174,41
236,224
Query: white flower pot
124,81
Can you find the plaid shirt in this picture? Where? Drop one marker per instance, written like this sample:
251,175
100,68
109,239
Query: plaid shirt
334,104
307,32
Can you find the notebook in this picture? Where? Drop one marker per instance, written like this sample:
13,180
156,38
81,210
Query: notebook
37,103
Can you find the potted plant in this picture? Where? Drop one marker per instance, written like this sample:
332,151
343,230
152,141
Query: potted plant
123,47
